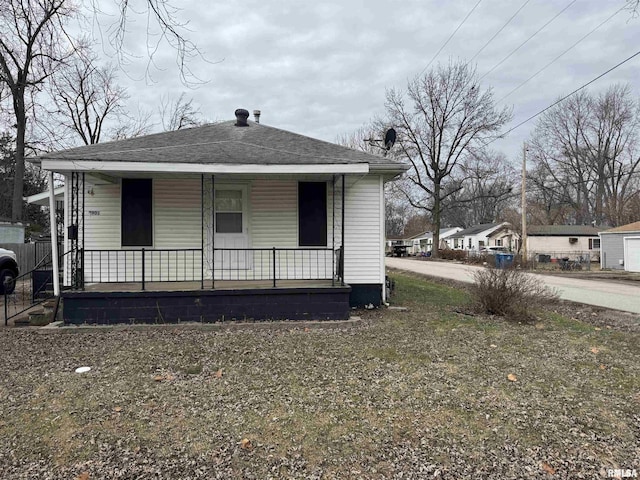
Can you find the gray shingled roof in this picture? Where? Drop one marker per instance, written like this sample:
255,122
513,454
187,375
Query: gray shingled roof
227,144
563,230
476,229
630,227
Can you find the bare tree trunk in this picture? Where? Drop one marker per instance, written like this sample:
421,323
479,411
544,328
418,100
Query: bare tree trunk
18,180
436,220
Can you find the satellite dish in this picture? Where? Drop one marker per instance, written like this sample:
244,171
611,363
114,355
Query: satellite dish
389,138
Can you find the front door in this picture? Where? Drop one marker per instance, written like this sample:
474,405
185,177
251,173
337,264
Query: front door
231,228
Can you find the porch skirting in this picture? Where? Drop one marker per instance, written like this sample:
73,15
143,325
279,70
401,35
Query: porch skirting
310,303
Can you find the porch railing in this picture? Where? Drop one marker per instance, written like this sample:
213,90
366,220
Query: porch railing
188,265
31,288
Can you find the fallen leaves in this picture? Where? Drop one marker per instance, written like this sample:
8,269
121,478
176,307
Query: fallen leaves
595,350
548,468
117,409
218,373
83,476
245,444
512,378
164,378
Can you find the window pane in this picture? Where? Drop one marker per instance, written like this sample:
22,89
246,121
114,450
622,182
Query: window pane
228,201
228,222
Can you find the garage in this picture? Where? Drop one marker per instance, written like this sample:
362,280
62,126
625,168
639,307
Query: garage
620,248
632,254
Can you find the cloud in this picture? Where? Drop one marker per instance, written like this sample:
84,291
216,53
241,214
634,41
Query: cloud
321,69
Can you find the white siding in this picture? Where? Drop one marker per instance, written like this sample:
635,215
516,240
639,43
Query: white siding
363,240
274,214
102,229
273,222
177,213
176,225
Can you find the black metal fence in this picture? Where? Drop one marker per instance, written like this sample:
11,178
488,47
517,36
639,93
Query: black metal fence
30,288
563,260
188,265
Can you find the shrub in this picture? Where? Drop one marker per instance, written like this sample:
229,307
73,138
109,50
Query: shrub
449,254
511,293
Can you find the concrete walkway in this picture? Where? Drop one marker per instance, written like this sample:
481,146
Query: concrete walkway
603,293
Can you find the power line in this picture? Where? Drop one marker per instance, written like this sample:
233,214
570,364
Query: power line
562,54
450,37
502,135
500,30
527,40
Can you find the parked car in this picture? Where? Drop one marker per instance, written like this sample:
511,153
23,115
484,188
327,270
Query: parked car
493,250
8,271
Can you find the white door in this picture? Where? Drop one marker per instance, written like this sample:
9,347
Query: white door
231,228
632,254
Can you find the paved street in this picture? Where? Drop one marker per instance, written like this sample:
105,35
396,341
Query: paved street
616,295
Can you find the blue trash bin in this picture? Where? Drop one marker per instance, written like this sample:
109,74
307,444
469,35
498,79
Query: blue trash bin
504,260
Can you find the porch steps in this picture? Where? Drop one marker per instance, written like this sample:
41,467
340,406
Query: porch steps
42,316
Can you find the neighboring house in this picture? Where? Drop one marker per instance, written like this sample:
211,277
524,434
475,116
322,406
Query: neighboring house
565,240
620,248
423,242
235,220
485,235
11,232
395,244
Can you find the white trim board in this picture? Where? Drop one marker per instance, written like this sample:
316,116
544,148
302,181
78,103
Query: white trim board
150,167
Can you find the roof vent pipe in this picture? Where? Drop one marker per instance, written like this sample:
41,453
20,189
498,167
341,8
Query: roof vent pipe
241,117
256,115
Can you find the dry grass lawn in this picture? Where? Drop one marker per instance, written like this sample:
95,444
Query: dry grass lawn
428,393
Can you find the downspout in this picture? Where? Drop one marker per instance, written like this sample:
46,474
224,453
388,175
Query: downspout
54,236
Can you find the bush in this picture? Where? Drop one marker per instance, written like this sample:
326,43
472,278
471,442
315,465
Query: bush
510,293
450,254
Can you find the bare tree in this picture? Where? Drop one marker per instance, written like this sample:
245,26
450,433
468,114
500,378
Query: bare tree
179,114
86,96
33,43
585,150
483,186
163,28
130,126
448,116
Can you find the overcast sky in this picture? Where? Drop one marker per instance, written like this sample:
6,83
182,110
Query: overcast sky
321,68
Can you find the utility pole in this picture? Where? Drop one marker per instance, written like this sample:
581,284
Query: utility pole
524,203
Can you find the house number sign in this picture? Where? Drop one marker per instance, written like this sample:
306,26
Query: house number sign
94,212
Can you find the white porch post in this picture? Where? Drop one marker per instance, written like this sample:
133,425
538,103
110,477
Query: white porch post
342,231
54,236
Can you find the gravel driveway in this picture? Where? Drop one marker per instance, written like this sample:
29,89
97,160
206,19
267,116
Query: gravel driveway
608,294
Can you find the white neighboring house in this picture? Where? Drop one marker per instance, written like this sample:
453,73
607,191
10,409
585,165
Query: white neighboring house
563,241
423,242
228,220
486,235
620,248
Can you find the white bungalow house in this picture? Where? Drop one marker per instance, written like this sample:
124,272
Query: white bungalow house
548,242
235,220
486,235
423,242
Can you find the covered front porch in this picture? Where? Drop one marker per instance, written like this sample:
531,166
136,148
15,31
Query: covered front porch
190,257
